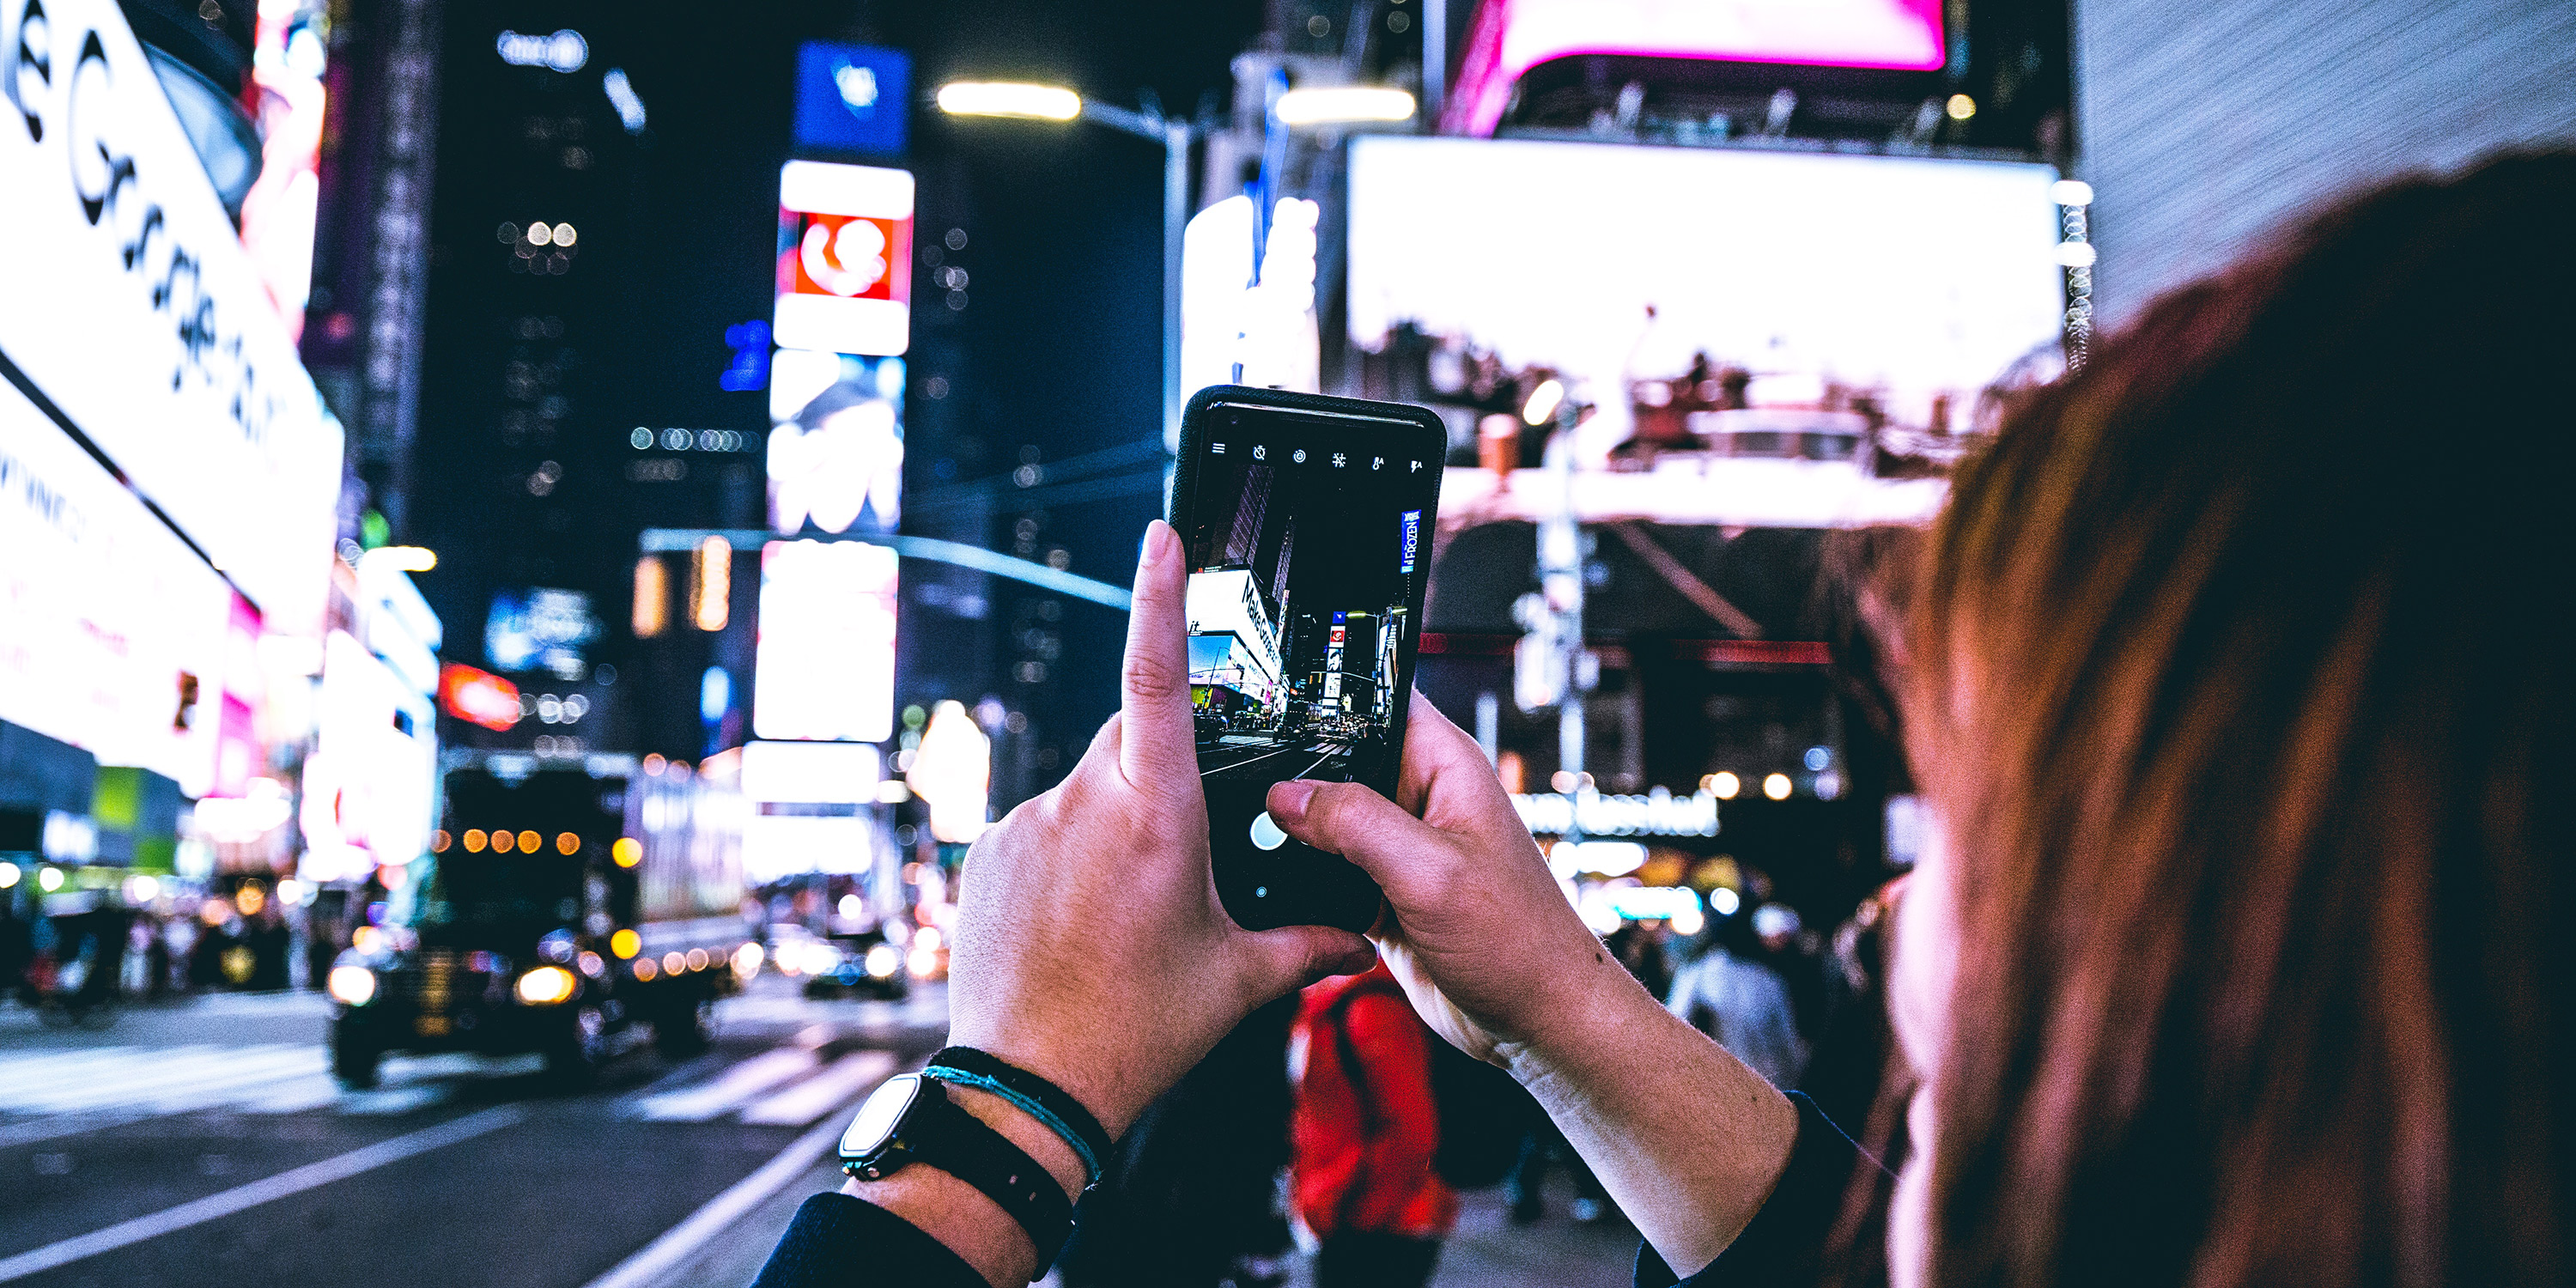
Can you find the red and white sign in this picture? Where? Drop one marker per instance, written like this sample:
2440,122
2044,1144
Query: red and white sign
844,259
478,696
1512,36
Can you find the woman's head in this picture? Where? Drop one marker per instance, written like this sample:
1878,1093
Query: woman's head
2237,683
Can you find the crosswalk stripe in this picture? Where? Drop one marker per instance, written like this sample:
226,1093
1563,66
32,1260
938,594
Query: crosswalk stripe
112,1082
729,1091
250,1083
294,1096
27,1071
843,1082
396,1100
188,1075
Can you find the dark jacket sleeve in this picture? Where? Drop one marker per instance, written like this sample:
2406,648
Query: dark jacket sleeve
844,1242
1786,1240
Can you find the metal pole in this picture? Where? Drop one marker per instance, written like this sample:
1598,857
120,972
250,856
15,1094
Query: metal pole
1176,202
1435,63
1561,558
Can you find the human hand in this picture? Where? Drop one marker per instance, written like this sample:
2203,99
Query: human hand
1090,948
1480,935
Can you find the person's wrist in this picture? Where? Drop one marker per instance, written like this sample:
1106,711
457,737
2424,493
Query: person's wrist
1095,1082
1589,1008
1035,1138
959,1216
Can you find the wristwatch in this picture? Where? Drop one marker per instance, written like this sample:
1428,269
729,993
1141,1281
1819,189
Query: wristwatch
911,1120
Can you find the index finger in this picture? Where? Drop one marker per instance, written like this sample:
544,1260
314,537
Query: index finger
1156,740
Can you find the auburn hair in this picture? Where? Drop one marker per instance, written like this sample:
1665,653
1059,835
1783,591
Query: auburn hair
2243,688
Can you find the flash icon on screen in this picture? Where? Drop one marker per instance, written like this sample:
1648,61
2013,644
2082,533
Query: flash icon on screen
1377,462
1417,467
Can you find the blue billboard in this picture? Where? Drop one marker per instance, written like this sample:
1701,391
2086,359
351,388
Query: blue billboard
852,98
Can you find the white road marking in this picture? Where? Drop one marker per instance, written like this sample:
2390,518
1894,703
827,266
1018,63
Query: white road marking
186,1072
846,1080
738,1084
215,1207
665,1254
395,1100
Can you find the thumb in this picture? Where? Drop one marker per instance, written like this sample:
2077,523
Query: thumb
1295,956
1368,829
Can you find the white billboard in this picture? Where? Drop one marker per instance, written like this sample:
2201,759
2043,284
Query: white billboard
127,301
112,632
824,660
1915,276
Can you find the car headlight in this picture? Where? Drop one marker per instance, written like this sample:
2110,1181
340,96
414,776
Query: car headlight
884,960
546,986
355,985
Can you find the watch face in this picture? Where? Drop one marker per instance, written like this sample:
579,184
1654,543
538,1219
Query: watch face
877,1118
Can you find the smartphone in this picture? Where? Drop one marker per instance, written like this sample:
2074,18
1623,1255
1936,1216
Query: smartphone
1307,523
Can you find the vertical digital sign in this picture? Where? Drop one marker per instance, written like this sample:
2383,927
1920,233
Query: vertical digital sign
824,660
851,98
844,259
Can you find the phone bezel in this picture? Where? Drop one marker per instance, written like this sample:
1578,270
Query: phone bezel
1342,900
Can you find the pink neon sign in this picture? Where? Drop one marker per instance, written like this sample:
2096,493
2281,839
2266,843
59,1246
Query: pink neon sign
1512,36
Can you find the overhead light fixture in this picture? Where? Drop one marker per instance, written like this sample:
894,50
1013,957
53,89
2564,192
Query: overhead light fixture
1543,401
1337,104
1009,98
409,558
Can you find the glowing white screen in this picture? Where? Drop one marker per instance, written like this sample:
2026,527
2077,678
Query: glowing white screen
1918,275
825,657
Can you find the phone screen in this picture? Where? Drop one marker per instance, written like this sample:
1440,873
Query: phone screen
1308,537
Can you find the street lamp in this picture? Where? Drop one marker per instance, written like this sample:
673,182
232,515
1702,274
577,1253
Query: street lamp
1334,105
1055,103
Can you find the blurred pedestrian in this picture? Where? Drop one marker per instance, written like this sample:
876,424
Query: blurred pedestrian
17,944
1364,1134
1190,1199
1796,955
1730,995
156,955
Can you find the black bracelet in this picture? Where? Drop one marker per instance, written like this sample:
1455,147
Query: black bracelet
940,1133
1035,1096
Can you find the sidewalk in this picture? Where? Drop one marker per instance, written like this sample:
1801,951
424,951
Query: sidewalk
1487,1251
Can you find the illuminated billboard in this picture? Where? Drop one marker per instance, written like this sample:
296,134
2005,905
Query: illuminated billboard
836,450
852,98
844,258
114,636
824,661
1512,36
143,321
1913,277
371,783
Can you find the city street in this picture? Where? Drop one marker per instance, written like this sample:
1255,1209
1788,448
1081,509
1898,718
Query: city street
204,1143
1244,757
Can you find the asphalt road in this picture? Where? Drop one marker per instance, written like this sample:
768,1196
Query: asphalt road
1265,760
204,1144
